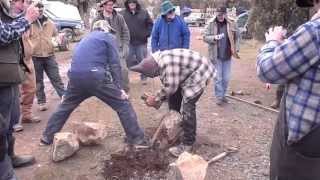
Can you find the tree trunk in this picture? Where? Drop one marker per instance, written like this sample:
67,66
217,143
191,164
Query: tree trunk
266,14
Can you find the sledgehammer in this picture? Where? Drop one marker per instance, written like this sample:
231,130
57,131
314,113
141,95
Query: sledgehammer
156,134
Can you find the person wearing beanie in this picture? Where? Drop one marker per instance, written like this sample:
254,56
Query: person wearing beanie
170,30
294,62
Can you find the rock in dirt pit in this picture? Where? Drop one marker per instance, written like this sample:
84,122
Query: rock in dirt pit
137,165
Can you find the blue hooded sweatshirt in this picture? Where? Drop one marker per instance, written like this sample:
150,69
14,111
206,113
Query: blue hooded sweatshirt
96,52
170,34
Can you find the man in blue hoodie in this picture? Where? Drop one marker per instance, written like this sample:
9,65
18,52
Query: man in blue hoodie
170,31
95,71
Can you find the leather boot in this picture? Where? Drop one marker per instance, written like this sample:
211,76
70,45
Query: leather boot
275,104
18,161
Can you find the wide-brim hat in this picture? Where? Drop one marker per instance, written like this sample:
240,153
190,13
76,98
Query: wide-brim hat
105,1
304,3
166,7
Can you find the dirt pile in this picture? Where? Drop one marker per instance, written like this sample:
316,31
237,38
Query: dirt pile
137,165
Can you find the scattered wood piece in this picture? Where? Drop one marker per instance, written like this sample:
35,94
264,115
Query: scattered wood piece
240,93
222,155
253,104
218,157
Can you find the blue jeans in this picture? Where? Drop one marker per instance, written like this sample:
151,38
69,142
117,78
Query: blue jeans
7,98
50,66
222,78
90,84
136,54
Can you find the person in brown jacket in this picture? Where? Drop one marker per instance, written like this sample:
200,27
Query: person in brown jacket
28,87
41,34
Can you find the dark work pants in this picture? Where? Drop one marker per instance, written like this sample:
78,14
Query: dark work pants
7,97
189,118
50,66
279,92
88,85
299,161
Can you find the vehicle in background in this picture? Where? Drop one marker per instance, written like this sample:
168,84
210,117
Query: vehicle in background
196,19
61,42
66,17
242,22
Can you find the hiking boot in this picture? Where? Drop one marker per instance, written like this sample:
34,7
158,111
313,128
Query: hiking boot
18,127
18,161
139,144
32,119
176,151
44,141
43,107
219,102
275,105
22,160
225,100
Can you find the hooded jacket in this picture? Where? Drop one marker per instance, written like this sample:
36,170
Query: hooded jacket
140,24
168,35
118,23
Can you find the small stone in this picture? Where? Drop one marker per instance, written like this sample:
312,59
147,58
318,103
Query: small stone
90,133
64,145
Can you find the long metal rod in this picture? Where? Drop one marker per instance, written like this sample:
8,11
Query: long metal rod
253,104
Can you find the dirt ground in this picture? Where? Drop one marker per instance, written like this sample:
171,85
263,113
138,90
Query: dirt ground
235,124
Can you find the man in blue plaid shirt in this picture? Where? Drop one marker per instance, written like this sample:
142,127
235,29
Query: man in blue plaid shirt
294,62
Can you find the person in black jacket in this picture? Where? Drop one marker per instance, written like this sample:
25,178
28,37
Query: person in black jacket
140,26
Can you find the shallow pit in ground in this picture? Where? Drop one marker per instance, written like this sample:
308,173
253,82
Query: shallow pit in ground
137,165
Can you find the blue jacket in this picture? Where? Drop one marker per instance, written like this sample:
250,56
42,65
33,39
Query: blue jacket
170,35
98,53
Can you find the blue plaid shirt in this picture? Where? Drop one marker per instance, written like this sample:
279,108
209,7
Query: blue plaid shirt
295,63
12,31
